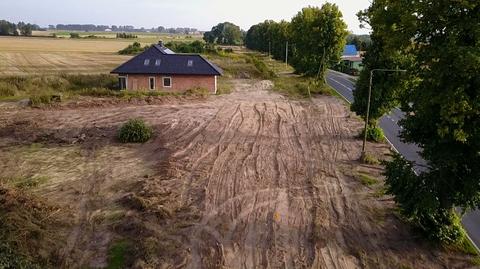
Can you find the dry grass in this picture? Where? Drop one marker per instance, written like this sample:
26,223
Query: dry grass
23,56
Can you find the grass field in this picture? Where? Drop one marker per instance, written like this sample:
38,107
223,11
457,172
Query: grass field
36,55
42,55
141,36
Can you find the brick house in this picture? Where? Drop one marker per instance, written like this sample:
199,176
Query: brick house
160,69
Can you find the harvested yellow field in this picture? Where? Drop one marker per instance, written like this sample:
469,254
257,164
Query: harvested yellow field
20,56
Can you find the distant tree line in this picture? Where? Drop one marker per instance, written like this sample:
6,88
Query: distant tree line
120,28
225,33
125,35
21,28
316,37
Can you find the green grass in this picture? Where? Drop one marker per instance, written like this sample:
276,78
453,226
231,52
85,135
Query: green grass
379,193
24,182
117,254
367,180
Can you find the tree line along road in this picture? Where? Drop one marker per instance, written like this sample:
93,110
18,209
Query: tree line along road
343,84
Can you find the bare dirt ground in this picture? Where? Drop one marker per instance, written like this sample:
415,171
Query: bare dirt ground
246,180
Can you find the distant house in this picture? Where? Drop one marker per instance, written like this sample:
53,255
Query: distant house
160,69
351,60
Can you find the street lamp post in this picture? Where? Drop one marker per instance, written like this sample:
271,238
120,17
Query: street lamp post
368,103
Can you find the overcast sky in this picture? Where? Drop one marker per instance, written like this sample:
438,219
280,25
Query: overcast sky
200,14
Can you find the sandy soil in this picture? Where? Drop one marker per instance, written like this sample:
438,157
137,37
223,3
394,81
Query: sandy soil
245,180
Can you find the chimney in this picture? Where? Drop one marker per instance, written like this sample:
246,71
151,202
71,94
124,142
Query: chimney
160,43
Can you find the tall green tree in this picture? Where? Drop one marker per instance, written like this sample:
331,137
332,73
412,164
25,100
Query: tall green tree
388,50
318,35
225,33
269,37
441,40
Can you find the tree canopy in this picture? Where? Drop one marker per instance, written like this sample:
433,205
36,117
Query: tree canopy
316,38
438,42
225,33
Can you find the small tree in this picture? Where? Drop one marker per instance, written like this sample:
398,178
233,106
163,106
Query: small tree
319,35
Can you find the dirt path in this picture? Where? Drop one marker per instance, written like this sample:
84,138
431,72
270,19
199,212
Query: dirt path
252,180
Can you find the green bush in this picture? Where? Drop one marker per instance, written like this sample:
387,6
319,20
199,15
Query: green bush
135,131
374,134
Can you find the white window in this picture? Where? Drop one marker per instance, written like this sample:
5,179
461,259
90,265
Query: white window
122,82
158,62
167,82
146,62
151,83
190,63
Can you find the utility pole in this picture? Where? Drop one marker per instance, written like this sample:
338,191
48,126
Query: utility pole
368,104
269,48
286,55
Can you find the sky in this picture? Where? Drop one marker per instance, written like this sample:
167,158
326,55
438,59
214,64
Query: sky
200,14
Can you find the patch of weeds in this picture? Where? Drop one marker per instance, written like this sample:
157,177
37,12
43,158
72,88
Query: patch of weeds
262,68
44,99
465,245
31,182
367,180
117,254
380,192
369,159
476,261
292,86
224,86
198,91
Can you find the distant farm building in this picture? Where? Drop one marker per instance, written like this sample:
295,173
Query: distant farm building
160,69
351,60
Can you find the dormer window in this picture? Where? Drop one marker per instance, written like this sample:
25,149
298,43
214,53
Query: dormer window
190,63
146,62
158,62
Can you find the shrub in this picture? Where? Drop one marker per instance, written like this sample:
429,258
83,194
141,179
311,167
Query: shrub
74,35
135,131
374,134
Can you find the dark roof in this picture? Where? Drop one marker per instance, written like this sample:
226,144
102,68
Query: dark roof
162,60
350,50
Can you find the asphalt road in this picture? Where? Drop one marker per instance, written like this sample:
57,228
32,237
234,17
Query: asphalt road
345,86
